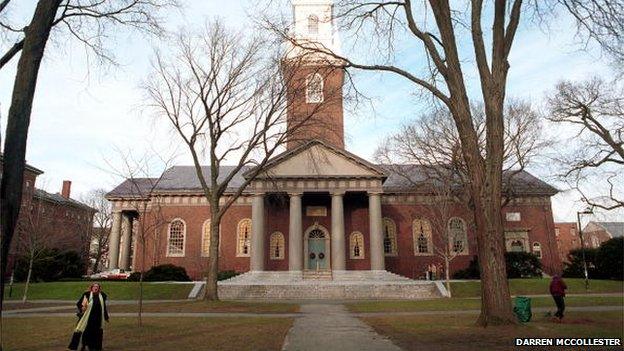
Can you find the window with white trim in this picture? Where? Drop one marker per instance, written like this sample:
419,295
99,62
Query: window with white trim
243,235
175,238
314,88
421,234
537,249
276,246
457,235
390,239
356,246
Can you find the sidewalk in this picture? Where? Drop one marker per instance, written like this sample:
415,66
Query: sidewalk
306,311
332,327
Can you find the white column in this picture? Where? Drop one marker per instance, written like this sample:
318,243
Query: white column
295,234
113,241
257,233
376,232
126,247
338,260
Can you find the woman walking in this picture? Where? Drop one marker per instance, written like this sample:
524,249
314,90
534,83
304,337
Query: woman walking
92,313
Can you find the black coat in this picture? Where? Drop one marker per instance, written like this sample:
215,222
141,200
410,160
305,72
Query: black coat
93,334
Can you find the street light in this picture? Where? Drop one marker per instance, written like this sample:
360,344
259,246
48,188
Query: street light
588,210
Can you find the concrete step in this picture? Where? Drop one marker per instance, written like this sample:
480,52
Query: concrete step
318,275
334,291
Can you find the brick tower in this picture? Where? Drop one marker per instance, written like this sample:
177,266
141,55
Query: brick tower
314,80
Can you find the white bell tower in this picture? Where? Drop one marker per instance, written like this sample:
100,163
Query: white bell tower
313,25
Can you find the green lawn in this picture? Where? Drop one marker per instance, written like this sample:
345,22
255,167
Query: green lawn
114,290
157,334
539,286
458,332
454,304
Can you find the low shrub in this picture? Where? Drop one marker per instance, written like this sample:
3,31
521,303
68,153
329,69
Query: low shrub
519,265
166,272
223,275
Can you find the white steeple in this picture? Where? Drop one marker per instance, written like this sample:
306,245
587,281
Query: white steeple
313,23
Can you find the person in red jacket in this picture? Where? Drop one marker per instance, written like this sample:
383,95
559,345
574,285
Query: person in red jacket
557,290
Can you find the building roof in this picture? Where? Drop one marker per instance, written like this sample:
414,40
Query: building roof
29,168
59,199
615,229
183,179
417,178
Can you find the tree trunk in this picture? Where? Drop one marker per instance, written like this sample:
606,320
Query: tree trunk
36,37
495,297
212,293
28,276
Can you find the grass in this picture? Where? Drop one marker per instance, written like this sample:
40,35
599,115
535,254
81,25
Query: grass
454,304
157,334
114,290
191,306
537,286
212,306
458,332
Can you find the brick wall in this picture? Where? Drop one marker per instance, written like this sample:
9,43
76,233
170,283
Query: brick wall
534,218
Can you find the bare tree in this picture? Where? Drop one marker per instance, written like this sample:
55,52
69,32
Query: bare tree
102,225
595,109
427,154
601,21
227,97
141,189
87,21
34,238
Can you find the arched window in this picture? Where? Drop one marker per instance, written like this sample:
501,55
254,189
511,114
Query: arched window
537,249
205,243
421,232
356,246
390,239
458,238
313,24
175,238
314,88
243,238
276,246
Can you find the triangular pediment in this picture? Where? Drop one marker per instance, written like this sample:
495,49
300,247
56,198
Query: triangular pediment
317,159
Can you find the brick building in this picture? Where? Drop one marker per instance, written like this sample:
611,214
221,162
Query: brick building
595,233
300,215
51,220
567,237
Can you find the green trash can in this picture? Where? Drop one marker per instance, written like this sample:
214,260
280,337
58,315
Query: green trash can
522,309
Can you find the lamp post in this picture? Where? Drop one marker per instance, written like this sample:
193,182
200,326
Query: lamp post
578,217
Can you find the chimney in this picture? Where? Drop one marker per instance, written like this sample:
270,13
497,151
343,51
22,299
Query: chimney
66,189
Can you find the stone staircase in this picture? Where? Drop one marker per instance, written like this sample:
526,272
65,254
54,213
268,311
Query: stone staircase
336,285
318,275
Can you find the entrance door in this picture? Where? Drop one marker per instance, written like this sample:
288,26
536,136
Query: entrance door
317,250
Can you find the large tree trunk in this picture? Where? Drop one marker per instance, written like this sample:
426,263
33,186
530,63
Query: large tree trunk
212,293
36,37
495,297
28,276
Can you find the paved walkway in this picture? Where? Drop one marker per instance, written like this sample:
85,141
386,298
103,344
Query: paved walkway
332,327
306,310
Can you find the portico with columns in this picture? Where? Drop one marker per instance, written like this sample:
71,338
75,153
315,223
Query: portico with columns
316,193
120,248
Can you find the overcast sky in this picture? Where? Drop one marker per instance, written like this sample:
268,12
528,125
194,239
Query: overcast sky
80,117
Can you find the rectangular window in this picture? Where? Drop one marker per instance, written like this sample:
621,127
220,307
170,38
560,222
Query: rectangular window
512,216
